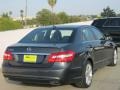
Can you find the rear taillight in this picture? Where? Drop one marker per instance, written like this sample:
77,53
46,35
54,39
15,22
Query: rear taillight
66,56
8,56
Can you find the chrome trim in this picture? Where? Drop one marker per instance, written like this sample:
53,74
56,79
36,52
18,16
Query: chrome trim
33,53
32,76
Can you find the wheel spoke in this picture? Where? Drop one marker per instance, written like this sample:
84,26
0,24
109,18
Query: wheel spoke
115,57
88,74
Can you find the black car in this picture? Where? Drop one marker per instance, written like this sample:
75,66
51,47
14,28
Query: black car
59,55
109,26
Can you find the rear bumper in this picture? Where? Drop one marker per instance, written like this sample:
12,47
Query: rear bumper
34,75
45,76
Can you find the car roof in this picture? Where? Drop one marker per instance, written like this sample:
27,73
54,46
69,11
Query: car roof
63,26
113,17
108,18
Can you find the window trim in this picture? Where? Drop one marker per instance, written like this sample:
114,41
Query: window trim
108,26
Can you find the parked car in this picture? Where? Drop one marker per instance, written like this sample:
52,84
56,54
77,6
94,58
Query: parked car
109,26
59,55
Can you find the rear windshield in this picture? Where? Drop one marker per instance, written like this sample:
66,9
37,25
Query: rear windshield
49,36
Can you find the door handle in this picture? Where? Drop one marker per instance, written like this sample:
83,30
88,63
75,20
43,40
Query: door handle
89,46
110,44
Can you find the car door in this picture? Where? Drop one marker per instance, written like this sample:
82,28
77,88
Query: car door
104,45
94,46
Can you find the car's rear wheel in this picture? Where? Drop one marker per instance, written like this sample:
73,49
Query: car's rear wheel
115,58
87,76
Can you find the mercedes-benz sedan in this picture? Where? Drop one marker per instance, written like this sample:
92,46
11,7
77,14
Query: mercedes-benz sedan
59,55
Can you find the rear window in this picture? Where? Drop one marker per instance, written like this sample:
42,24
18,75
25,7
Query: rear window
99,22
49,36
112,22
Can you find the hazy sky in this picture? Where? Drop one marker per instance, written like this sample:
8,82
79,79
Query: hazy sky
74,7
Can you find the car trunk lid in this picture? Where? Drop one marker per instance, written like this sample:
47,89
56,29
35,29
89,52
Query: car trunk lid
33,55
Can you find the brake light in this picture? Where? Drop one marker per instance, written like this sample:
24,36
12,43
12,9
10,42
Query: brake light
8,56
66,56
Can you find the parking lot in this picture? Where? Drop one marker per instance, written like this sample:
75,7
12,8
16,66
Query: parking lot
107,78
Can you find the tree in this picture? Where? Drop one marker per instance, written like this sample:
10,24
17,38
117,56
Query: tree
108,12
10,13
9,24
22,16
44,17
63,17
31,21
74,19
118,15
5,15
52,3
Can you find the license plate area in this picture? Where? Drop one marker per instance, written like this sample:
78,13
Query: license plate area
30,58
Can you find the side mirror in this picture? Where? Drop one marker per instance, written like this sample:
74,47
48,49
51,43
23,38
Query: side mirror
108,37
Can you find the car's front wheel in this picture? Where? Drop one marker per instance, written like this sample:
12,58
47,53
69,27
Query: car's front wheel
87,76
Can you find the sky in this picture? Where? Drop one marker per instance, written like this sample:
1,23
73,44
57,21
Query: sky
72,7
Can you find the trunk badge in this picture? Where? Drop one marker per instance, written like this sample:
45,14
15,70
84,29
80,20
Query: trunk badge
29,49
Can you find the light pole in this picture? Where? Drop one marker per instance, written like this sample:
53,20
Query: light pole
26,13
52,3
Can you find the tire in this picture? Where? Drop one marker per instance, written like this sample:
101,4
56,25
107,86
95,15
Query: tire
115,59
87,75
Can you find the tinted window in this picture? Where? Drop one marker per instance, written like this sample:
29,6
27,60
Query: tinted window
99,22
112,22
49,36
97,33
87,34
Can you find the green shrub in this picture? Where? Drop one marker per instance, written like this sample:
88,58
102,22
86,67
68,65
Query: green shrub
9,24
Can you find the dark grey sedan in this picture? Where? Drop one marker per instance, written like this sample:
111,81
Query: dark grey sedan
59,55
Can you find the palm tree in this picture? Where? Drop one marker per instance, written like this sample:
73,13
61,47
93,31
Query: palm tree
10,13
22,16
52,3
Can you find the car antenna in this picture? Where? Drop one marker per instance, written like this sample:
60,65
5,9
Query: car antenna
54,27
